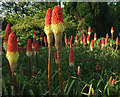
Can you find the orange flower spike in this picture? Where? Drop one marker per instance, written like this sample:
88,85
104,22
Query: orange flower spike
55,57
95,37
57,20
111,43
7,32
113,81
45,40
112,30
79,71
12,51
97,67
81,39
29,49
65,38
36,47
47,27
103,42
71,58
88,39
89,30
110,81
92,45
71,37
70,43
107,36
117,41
76,39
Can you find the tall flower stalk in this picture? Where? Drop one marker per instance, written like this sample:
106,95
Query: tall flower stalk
7,33
58,28
49,34
12,56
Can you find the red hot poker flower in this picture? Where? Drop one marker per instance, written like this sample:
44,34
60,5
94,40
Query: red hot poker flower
70,43
103,41
106,41
79,71
33,44
98,43
71,58
112,30
117,41
7,32
95,36
48,17
57,15
29,46
107,36
12,51
12,43
69,39
81,39
45,40
89,29
92,43
88,39
36,46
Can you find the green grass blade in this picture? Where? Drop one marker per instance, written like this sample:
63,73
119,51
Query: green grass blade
70,87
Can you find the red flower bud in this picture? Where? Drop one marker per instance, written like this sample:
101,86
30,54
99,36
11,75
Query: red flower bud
117,41
7,32
113,81
79,71
36,46
92,43
45,40
29,46
107,36
89,29
106,41
111,43
69,39
103,41
70,43
88,39
95,36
